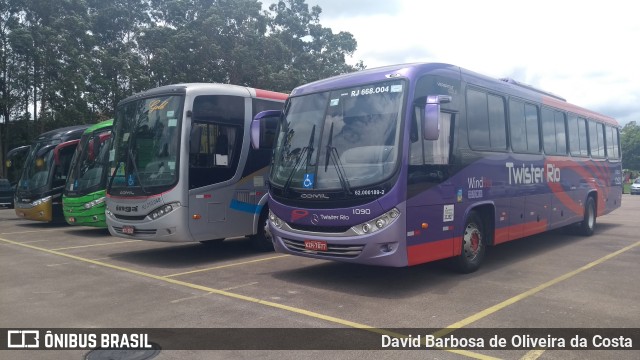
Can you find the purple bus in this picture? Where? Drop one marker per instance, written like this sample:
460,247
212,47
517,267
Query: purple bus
406,164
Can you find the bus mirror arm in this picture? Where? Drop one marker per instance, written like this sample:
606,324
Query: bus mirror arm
431,120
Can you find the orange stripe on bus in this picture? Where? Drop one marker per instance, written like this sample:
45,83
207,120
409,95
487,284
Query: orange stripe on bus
266,94
436,250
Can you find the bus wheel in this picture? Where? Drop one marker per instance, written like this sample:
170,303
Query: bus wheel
261,241
473,246
588,224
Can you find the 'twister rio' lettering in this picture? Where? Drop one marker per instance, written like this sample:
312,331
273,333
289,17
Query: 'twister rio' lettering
532,174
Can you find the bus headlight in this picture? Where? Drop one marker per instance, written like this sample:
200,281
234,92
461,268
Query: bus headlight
276,221
164,210
378,223
93,203
40,201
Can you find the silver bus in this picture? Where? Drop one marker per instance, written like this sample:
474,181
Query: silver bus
182,168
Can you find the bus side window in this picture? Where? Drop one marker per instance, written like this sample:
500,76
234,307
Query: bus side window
437,151
430,152
416,152
222,149
213,153
61,170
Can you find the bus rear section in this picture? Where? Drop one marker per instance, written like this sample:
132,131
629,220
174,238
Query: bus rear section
39,190
408,164
84,194
182,167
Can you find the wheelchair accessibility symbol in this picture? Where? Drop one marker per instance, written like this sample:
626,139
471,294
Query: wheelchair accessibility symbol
307,183
132,180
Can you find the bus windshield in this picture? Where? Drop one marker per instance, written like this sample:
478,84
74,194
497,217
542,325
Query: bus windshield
15,161
341,139
39,163
89,163
146,144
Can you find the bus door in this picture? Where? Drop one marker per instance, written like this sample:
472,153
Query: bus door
215,144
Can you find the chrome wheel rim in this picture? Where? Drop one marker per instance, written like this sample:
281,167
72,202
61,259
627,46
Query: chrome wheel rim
591,217
472,241
267,232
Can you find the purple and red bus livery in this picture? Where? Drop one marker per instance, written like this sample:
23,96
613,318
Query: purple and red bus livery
406,164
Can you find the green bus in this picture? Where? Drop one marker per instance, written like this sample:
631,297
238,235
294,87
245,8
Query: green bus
83,199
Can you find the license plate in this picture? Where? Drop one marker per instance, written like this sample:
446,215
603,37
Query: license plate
128,229
315,245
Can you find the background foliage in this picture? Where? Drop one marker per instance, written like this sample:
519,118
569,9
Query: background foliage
65,62
630,143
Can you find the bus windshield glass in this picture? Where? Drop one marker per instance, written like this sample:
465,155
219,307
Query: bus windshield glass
35,176
339,140
146,144
89,163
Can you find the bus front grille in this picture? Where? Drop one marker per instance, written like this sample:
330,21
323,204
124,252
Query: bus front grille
316,228
130,217
335,250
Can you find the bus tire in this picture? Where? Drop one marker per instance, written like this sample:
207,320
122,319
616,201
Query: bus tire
261,241
473,245
588,224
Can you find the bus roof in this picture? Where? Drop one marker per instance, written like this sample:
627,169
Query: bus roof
371,75
17,150
98,126
62,134
229,89
415,70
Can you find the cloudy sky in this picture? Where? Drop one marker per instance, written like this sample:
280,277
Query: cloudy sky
585,51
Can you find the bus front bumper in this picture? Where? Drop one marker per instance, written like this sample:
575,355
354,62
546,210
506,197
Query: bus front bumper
39,210
171,227
75,213
386,247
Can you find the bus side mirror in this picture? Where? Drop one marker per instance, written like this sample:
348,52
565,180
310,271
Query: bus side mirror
263,129
67,149
431,120
91,150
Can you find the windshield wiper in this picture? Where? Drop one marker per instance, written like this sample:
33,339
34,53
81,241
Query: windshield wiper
114,174
135,169
332,155
130,157
308,150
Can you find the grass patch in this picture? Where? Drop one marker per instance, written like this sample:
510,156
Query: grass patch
626,189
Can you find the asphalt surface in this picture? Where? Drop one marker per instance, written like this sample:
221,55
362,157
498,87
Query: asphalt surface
54,276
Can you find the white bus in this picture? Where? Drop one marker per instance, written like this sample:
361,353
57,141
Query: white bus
182,168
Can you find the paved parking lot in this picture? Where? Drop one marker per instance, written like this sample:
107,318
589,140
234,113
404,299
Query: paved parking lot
72,277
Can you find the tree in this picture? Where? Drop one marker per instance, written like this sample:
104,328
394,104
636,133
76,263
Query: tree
118,67
68,62
630,143
306,51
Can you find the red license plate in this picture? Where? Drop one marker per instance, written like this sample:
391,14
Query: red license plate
315,245
128,229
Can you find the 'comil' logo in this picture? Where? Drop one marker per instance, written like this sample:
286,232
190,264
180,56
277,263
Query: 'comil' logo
23,339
